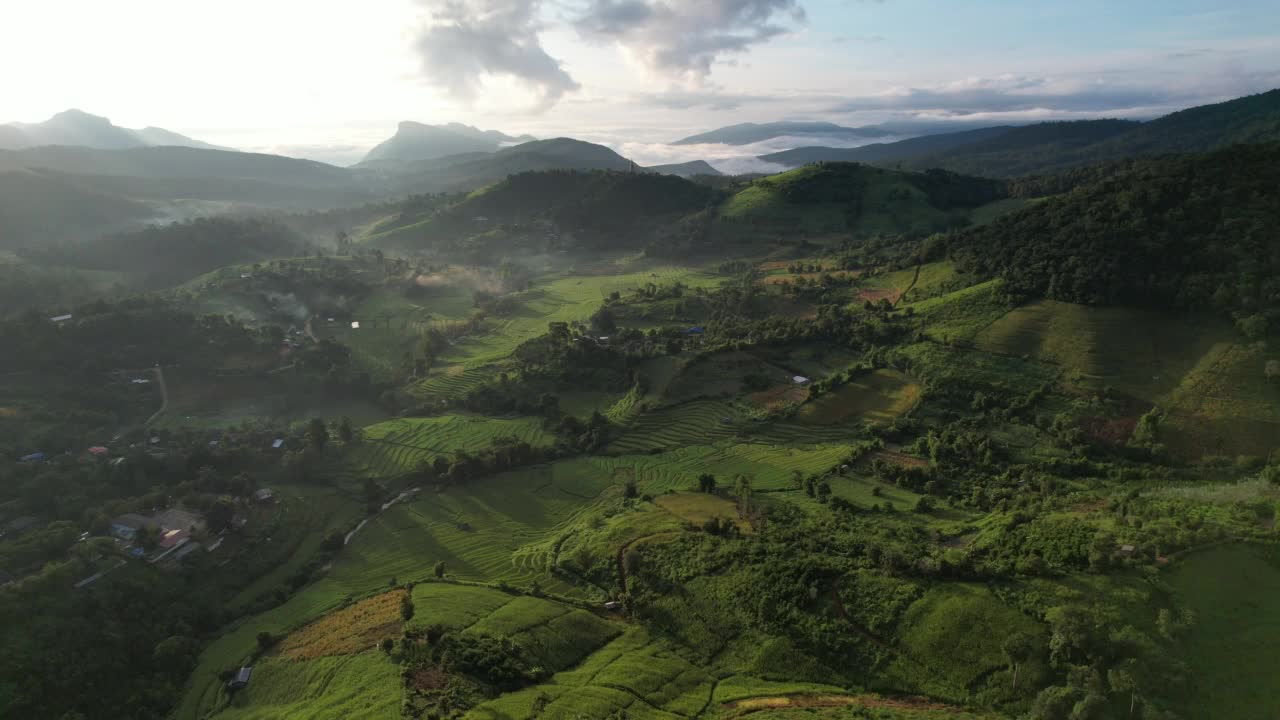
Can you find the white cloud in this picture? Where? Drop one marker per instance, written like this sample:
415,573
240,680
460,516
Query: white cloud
466,41
683,39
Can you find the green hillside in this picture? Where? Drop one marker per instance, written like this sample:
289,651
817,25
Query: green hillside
473,170
538,211
846,197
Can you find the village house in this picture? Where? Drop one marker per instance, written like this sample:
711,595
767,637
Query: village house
175,519
126,526
168,521
241,678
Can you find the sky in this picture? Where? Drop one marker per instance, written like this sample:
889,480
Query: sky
326,80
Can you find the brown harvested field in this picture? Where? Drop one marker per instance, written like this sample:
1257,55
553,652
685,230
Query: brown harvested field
878,295
895,457
906,704
878,398
809,277
348,631
1109,431
428,678
9,412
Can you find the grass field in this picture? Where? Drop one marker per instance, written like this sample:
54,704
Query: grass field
895,285
559,299
365,687
951,639
1235,591
876,398
454,607
698,508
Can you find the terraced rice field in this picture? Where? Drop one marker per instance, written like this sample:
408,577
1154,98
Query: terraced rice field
643,676
455,607
396,447
877,398
553,635
453,381
1143,352
766,466
1225,405
696,422
364,687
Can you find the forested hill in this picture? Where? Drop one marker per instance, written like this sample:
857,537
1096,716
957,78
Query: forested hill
536,210
165,255
1192,231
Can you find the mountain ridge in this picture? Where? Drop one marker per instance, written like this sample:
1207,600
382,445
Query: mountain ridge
81,129
1052,147
414,142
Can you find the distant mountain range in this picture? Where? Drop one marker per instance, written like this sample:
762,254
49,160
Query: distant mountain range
685,169
62,192
78,128
414,142
1056,146
748,133
65,193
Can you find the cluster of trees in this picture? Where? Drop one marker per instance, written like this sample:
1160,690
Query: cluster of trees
131,333
166,255
504,454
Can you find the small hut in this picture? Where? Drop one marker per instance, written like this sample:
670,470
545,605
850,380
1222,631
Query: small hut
241,679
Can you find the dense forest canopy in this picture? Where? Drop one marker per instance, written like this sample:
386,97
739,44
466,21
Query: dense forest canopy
1193,232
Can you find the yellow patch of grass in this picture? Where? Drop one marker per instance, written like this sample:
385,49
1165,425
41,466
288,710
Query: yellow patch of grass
351,630
698,508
